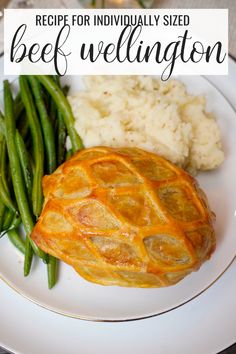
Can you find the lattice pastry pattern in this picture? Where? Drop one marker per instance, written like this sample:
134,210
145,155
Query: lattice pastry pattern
125,217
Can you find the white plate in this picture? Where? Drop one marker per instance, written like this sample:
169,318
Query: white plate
75,297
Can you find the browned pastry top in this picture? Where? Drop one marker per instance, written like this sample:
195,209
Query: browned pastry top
125,217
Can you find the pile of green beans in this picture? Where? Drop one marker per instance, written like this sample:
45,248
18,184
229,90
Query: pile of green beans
33,132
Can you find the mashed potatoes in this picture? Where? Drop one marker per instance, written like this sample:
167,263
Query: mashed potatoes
145,112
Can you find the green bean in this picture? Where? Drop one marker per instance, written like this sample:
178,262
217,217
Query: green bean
52,111
11,221
5,197
17,99
49,141
61,128
62,132
37,193
69,153
52,262
2,212
15,222
2,125
27,174
47,129
4,190
3,152
47,100
8,219
3,164
61,139
52,271
4,167
25,164
28,257
19,108
32,164
16,240
23,126
64,106
17,178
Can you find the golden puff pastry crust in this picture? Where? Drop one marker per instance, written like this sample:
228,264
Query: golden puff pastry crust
125,217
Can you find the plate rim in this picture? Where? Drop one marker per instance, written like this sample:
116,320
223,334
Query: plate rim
90,319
